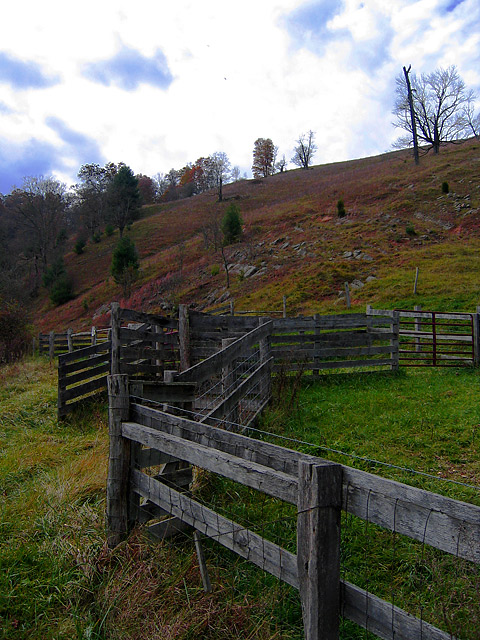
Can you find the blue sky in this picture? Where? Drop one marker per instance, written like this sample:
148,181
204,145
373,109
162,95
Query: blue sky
159,84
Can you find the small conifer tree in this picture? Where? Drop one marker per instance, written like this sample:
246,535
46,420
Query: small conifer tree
232,225
125,265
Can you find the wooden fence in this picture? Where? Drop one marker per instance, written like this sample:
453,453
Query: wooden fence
310,344
144,436
140,345
53,344
81,375
144,346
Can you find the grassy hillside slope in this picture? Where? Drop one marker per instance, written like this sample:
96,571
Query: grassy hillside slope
296,245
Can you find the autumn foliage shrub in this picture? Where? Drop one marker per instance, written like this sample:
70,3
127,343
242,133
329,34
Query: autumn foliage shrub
14,333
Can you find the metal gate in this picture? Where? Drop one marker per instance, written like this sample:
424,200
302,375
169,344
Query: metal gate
432,339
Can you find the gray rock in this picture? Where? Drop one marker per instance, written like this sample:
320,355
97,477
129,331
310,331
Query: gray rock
356,284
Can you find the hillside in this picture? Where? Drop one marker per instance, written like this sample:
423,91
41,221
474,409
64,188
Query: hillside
295,244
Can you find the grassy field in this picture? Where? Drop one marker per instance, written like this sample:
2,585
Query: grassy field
59,581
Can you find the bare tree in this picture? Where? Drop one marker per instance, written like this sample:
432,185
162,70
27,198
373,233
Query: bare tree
472,119
439,102
412,113
221,170
305,150
281,165
40,207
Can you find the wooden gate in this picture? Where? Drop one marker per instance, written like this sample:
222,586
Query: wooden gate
433,339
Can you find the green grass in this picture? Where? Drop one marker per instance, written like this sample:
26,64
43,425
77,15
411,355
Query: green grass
59,581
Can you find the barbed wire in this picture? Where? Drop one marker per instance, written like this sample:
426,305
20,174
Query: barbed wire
324,448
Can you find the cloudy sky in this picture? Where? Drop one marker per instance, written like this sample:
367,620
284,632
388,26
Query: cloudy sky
159,83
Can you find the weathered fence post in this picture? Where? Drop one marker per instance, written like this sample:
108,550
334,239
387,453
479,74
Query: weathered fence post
69,340
229,377
118,460
418,327
316,356
115,338
158,362
318,548
51,345
94,335
265,348
232,308
284,306
168,376
416,282
184,336
395,341
476,337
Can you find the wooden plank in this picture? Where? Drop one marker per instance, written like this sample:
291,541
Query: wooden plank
102,348
153,458
348,351
384,619
65,409
263,453
206,368
425,315
250,474
439,336
168,528
86,375
137,368
84,363
200,323
131,335
261,552
293,338
141,352
129,315
338,364
430,518
353,351
84,389
225,406
163,391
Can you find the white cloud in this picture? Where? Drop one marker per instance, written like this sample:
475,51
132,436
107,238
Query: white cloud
239,71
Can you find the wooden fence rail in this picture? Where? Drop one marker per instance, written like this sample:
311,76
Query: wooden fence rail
309,483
